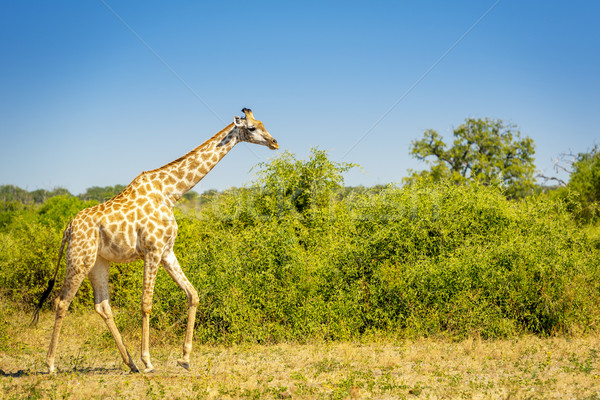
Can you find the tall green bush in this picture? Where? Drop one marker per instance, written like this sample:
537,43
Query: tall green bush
584,184
295,256
419,260
30,236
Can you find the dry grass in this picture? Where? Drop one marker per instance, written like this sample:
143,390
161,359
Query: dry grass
90,367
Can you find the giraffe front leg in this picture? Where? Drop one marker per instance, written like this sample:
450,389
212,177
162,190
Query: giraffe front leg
174,270
151,262
99,278
184,361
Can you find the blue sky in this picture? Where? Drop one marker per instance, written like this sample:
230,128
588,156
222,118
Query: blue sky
85,101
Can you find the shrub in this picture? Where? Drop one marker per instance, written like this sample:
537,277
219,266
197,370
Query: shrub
423,259
29,244
419,260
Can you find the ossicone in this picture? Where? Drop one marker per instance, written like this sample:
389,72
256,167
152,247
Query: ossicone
248,113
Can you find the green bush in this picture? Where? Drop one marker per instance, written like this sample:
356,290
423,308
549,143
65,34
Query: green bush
584,184
417,260
464,260
29,245
296,256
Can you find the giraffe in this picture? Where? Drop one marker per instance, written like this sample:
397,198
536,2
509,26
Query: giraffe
137,224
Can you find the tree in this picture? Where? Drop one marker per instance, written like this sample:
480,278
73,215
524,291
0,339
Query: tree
12,193
41,195
585,183
101,194
484,150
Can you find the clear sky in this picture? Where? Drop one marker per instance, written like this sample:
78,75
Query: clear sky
94,92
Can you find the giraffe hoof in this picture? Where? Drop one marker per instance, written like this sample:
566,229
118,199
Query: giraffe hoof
134,369
149,370
183,364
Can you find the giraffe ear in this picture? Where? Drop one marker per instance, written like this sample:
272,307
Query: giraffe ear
239,122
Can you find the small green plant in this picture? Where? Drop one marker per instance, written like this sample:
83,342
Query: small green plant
585,366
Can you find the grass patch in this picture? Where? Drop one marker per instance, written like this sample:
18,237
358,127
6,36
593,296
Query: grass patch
521,367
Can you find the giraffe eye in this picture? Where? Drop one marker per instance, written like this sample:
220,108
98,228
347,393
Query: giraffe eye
251,128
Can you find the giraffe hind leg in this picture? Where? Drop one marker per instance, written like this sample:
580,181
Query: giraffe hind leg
62,302
81,256
99,279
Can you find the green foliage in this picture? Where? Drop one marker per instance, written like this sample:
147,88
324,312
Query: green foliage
192,200
426,259
59,210
101,194
295,256
420,260
584,183
484,150
11,194
471,261
287,183
10,210
29,240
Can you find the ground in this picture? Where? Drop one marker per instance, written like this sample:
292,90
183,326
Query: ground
90,367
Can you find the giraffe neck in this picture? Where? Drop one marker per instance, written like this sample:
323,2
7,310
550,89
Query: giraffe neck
183,174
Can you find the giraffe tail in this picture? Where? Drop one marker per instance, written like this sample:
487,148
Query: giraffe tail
36,313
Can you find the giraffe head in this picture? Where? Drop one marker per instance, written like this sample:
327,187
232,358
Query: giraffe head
253,131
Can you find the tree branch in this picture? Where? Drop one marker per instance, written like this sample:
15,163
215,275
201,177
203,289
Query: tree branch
551,178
